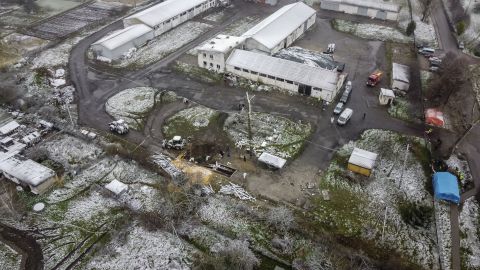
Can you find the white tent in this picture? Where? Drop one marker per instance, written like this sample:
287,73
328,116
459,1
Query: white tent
116,187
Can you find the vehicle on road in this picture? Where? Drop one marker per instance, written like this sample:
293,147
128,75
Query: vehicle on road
426,50
374,78
346,93
119,127
435,61
345,116
461,45
339,108
177,142
434,69
341,67
330,48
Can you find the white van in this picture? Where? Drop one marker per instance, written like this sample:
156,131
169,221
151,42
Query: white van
345,116
426,51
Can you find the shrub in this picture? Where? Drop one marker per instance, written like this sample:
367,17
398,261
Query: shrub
281,218
460,27
416,215
411,28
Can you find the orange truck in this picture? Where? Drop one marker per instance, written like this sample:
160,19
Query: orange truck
374,78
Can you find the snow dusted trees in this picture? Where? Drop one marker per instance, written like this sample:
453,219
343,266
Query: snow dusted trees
281,218
426,6
234,255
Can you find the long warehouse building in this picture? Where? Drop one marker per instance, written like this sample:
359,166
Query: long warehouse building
169,14
293,76
280,29
373,9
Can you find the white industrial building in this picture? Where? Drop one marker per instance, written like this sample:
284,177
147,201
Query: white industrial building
27,173
169,14
9,128
280,29
400,77
293,76
118,43
368,8
213,53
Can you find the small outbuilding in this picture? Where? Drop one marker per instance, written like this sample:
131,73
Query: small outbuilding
386,96
116,187
362,161
400,77
272,160
369,8
445,186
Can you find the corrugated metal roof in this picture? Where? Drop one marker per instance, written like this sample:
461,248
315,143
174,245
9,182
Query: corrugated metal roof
284,69
9,127
123,36
363,158
272,160
164,11
370,4
221,43
26,170
400,73
276,27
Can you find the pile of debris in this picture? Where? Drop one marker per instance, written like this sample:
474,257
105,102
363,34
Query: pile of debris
237,191
178,177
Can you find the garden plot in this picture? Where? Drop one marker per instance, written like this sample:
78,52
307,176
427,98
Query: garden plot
19,17
133,105
270,133
71,151
74,20
304,56
357,204
143,249
23,43
9,258
444,232
400,109
163,45
190,121
470,232
371,31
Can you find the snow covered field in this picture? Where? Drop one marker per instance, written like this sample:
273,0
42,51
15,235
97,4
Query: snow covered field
371,31
133,105
358,204
189,121
9,258
470,231
424,31
164,45
270,133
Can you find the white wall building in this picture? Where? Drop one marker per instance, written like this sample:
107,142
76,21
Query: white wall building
400,77
27,173
168,14
368,8
9,128
280,29
213,53
293,76
118,43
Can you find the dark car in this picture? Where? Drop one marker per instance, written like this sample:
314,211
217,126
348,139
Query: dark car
341,67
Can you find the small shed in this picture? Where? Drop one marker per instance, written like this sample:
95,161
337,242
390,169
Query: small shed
272,160
434,117
445,186
400,77
116,187
386,96
362,161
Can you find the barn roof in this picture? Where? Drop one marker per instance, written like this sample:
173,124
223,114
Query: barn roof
157,14
363,158
370,4
400,73
123,36
26,171
284,69
221,43
276,27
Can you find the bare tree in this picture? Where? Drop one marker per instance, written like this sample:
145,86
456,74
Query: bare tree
281,218
426,8
235,255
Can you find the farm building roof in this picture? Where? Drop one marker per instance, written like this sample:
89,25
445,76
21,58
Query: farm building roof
26,171
157,14
387,92
400,73
272,160
445,186
116,187
362,158
9,127
276,27
370,4
221,43
284,69
123,36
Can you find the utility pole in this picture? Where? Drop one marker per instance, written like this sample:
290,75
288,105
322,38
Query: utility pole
384,222
250,123
67,106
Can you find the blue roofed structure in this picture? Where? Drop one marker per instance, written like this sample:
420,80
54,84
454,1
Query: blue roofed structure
445,187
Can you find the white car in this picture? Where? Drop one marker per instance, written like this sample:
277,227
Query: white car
338,109
345,116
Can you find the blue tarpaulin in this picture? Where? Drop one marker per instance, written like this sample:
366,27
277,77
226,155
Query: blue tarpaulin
445,186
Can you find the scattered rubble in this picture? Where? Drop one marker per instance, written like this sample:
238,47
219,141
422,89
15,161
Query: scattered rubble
237,191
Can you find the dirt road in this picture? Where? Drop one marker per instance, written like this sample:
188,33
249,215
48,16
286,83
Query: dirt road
32,256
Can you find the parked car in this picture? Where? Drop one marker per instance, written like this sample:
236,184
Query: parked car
345,116
339,108
434,69
341,67
346,93
330,48
426,50
461,45
435,61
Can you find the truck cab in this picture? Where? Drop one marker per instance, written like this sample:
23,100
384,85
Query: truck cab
374,78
